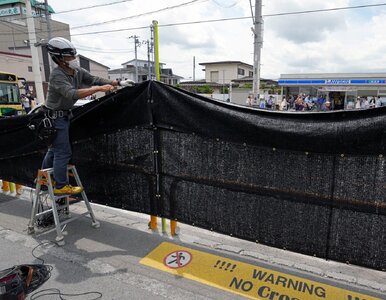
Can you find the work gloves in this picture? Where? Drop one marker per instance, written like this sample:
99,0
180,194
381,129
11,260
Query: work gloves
126,82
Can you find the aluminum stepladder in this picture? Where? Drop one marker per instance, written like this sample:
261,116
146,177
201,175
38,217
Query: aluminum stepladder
44,178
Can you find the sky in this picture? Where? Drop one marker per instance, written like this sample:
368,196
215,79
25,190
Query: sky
350,40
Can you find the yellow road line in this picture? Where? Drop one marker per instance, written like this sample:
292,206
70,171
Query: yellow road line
242,278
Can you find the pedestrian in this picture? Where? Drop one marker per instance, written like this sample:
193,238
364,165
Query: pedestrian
262,103
291,102
358,103
326,106
269,102
372,102
366,103
248,101
32,100
68,82
283,104
299,103
378,102
320,102
26,102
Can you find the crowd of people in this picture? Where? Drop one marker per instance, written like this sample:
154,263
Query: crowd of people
304,102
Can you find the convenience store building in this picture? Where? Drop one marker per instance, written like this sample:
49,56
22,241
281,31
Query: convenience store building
339,88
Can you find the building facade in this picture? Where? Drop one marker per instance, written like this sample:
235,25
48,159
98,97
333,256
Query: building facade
145,72
341,89
15,48
223,72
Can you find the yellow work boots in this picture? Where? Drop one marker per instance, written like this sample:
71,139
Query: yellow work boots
68,189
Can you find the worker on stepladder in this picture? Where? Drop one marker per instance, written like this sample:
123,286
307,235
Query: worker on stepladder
64,89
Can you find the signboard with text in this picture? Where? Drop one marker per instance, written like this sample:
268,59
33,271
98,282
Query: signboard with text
241,278
10,11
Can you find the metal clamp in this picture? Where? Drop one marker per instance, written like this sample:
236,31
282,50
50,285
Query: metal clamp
47,123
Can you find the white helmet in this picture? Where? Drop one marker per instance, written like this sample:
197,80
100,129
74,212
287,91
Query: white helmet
59,47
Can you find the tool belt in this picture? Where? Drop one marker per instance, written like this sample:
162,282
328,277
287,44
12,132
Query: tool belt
53,114
44,129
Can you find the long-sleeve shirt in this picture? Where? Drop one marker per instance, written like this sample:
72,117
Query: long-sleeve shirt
62,88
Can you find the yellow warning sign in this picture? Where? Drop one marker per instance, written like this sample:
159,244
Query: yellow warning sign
241,278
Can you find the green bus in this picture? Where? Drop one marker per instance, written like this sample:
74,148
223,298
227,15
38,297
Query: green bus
10,104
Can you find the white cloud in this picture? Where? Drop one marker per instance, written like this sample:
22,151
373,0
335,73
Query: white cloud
334,41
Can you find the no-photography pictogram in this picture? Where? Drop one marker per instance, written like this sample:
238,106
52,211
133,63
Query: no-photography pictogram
177,259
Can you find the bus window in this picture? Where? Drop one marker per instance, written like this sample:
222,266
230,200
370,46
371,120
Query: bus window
9,94
10,104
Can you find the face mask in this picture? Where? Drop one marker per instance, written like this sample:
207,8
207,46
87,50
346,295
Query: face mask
73,64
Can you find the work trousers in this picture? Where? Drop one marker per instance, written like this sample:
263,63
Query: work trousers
59,153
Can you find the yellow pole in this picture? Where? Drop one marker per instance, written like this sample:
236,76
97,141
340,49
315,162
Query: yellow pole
12,187
18,188
163,225
158,77
173,227
156,51
173,224
153,219
153,222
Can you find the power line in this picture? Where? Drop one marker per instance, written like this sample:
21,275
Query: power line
233,19
139,15
222,19
225,6
92,6
102,51
250,5
111,30
324,10
80,8
96,48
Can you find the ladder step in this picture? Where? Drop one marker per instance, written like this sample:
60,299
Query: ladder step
56,197
44,178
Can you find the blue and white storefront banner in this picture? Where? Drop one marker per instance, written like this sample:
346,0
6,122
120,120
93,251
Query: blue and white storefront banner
332,81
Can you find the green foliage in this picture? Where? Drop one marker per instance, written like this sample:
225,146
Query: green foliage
224,90
205,89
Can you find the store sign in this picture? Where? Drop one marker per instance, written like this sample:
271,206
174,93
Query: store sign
34,14
336,81
9,11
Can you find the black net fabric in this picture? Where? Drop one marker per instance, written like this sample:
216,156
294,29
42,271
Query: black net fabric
312,183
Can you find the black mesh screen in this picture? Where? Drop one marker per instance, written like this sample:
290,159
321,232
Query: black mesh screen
313,183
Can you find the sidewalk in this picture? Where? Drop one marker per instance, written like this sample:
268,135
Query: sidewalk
124,238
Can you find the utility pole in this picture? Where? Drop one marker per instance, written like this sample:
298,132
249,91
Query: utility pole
34,52
149,50
223,85
136,44
152,52
194,68
230,91
48,21
258,41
